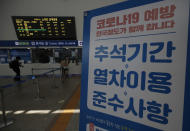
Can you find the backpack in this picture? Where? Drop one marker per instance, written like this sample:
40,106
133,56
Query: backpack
11,64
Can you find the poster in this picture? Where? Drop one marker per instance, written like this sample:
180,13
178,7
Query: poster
135,67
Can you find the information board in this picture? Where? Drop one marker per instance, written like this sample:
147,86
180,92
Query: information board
135,74
44,27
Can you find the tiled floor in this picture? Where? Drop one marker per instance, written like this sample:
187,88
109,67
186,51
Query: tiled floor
31,114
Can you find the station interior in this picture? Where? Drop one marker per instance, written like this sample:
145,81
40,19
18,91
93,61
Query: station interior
42,100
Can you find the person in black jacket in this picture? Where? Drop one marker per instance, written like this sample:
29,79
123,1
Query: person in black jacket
16,68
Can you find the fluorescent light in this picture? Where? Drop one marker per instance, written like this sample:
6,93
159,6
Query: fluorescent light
19,112
6,112
66,111
38,112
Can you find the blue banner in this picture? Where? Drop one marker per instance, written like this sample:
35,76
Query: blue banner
40,43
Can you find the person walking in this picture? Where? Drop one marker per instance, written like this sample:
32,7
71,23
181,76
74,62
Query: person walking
64,69
15,65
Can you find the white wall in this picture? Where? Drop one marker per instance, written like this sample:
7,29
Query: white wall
75,8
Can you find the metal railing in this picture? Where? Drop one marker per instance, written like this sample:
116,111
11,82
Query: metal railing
35,78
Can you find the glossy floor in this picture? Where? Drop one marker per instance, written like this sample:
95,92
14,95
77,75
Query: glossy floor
53,106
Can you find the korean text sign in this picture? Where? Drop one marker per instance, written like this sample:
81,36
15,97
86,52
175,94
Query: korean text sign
137,67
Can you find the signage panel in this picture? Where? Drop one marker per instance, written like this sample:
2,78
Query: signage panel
40,43
135,67
44,27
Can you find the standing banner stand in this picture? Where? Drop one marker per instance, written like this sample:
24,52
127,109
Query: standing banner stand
53,82
36,85
36,80
136,62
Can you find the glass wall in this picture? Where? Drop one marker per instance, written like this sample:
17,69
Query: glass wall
42,55
74,54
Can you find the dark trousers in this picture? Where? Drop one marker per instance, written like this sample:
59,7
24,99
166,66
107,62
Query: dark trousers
17,71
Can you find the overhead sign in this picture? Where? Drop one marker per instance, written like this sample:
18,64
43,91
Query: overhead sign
136,67
38,43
